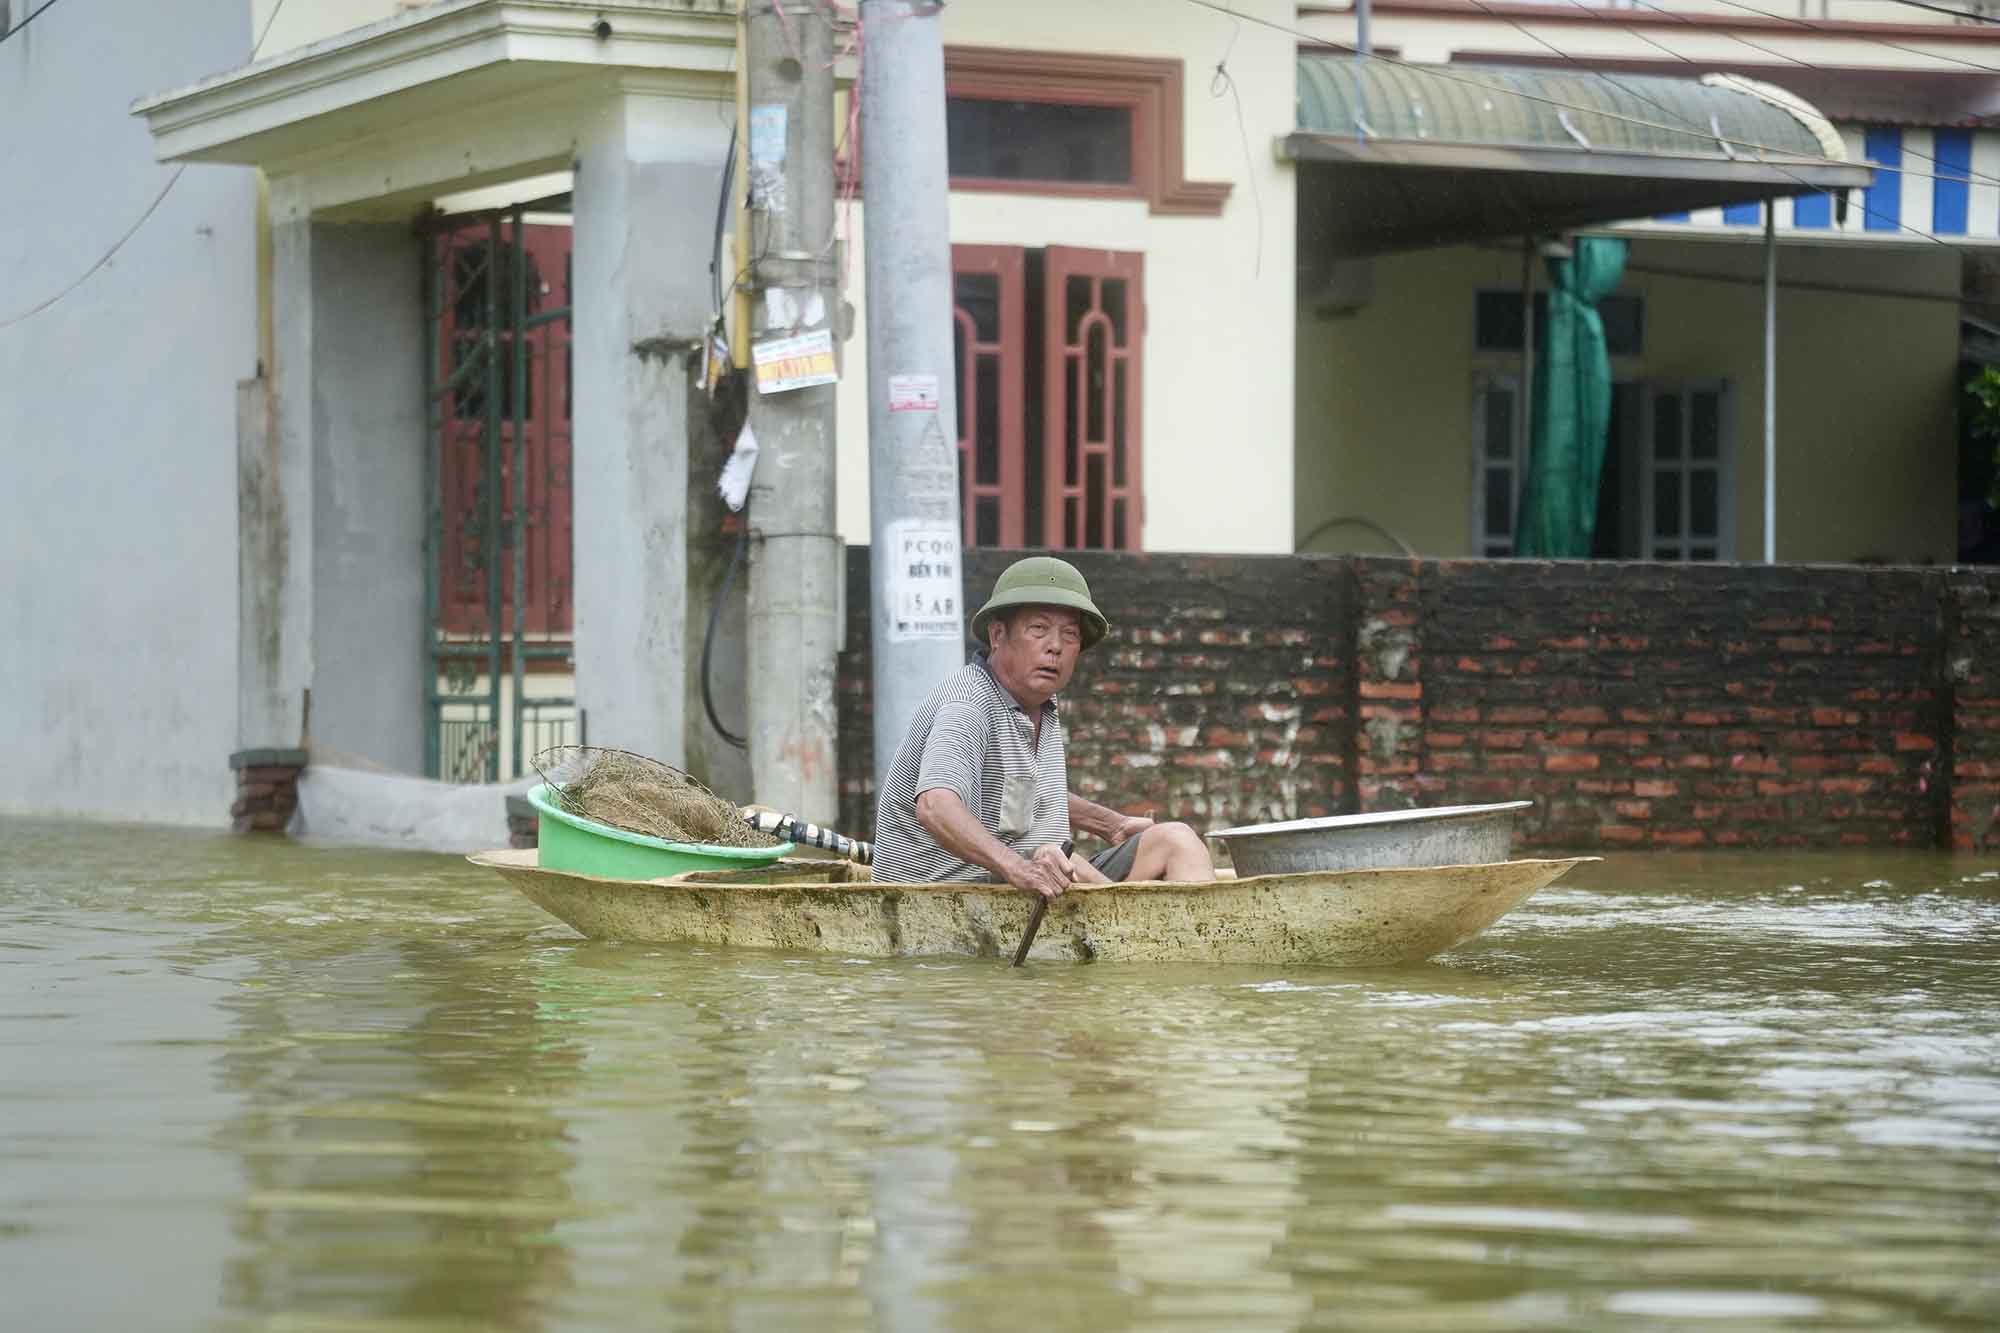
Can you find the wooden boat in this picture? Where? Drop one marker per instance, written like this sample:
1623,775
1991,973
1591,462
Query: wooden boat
1352,918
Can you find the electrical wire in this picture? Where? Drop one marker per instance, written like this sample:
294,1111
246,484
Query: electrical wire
151,208
46,6
103,259
1705,134
1581,65
1945,9
1224,82
1954,173
1870,38
1950,298
847,151
721,221
1957,174
743,541
1962,175
1953,299
1630,92
708,639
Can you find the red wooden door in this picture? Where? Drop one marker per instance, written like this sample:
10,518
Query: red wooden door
546,529
988,341
1093,313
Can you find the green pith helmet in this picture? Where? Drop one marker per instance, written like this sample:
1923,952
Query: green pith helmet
1042,580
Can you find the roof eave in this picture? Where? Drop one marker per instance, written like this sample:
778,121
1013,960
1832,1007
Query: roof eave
1785,176
259,113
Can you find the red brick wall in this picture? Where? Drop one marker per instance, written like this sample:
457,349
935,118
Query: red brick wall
1972,672
1639,705
1390,740
267,789
1684,706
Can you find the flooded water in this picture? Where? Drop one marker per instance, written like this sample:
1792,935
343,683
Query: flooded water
264,1086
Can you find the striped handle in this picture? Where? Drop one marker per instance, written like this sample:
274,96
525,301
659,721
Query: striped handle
793,829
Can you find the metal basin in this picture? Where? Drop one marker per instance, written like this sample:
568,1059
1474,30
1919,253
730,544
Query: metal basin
1442,835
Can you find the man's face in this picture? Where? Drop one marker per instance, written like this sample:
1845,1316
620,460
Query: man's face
1036,652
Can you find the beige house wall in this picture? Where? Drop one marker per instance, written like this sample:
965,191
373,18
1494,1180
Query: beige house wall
1217,376
1382,403
294,24
1867,442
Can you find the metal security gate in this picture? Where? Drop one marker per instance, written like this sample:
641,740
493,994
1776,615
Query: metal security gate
497,491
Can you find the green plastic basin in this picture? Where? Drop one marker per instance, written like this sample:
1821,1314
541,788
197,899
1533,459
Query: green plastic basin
586,847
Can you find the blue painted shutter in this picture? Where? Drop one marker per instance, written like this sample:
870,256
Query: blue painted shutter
1949,192
1882,201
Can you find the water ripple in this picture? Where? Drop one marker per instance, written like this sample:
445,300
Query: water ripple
267,1086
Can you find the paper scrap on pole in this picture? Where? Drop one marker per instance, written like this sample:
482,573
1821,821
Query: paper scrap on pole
734,483
784,364
767,157
913,393
924,580
767,132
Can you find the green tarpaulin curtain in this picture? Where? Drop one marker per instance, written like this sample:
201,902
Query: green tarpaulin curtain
1572,401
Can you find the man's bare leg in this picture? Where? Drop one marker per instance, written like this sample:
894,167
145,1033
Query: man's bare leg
1085,872
1172,852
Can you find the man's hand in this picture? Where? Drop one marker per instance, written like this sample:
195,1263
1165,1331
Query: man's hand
1128,827
1047,872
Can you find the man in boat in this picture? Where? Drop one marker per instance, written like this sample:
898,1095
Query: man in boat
978,791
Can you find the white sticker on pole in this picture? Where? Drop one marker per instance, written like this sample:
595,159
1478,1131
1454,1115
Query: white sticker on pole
795,363
913,393
924,580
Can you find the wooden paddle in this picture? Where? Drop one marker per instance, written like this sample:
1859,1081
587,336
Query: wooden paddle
1035,917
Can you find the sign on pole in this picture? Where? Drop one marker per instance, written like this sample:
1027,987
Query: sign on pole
784,364
923,580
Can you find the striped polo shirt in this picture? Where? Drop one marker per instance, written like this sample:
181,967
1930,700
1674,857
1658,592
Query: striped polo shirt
973,739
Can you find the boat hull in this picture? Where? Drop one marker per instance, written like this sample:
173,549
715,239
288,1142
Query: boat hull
1355,918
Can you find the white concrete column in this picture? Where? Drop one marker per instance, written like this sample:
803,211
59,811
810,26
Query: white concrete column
331,506
648,168
275,511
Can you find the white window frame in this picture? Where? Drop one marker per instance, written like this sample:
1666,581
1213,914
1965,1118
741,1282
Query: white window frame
1512,355
1681,544
1485,547
1638,444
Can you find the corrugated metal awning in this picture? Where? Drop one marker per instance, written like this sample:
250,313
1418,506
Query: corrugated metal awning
1398,156
1963,96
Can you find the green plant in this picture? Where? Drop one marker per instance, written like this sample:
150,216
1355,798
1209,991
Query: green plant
1984,421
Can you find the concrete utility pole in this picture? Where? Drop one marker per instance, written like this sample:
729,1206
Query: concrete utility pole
1770,381
916,579
795,562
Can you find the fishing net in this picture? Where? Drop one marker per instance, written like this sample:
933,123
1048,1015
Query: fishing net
640,795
